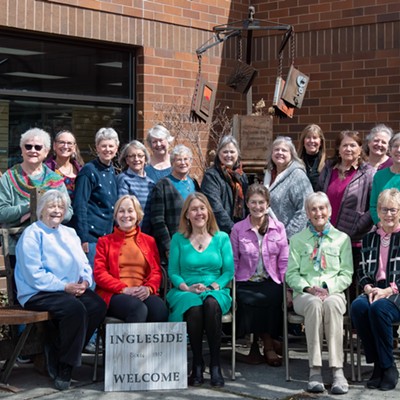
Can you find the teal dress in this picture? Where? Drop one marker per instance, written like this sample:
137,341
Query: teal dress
187,265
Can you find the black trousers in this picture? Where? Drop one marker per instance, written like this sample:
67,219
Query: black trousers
76,318
131,309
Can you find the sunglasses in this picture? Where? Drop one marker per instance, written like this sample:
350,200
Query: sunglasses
37,147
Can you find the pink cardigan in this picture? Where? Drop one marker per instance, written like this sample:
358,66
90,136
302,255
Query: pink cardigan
275,250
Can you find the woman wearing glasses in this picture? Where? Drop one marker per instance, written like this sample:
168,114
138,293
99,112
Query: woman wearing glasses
17,182
134,180
288,185
374,311
66,160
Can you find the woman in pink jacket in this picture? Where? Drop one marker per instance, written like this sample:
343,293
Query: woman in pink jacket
260,251
127,268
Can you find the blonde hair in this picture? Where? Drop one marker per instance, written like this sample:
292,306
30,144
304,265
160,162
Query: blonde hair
389,196
185,226
136,206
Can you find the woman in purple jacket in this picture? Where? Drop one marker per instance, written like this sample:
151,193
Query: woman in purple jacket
260,251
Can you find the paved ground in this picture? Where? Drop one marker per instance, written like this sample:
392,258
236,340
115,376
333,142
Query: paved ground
252,382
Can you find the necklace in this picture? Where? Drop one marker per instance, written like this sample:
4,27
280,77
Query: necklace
200,245
385,240
66,173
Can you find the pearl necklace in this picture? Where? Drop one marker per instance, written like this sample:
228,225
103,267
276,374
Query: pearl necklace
385,240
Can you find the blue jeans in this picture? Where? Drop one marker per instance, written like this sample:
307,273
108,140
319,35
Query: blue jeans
373,322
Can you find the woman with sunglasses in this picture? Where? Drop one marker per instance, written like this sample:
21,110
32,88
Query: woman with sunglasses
66,160
18,181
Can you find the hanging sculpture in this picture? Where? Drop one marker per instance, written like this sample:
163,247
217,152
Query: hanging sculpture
288,94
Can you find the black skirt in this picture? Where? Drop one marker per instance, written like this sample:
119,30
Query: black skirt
259,307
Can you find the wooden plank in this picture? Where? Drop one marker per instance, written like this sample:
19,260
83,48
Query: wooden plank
146,356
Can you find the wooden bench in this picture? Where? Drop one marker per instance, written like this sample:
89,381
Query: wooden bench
15,316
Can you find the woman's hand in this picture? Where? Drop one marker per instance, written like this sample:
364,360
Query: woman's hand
24,218
141,292
375,293
320,292
76,289
85,247
289,298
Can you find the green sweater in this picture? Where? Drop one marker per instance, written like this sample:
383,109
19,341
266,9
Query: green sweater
383,179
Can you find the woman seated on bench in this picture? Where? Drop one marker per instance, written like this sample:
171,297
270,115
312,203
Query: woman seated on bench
52,274
127,268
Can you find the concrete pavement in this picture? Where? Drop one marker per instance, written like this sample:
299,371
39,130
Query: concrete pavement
252,382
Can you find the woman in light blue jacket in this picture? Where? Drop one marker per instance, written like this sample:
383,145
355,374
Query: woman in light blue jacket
260,251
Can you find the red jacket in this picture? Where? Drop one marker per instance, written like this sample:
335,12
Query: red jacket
106,267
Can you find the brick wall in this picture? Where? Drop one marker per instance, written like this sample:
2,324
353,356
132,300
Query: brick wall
350,50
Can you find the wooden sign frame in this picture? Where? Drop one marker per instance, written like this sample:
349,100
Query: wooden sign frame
145,356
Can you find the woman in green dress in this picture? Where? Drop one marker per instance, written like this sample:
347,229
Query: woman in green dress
200,268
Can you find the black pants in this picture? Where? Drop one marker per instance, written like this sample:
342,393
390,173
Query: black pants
131,309
76,319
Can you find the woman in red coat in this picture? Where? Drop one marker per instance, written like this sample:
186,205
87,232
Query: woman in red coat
127,268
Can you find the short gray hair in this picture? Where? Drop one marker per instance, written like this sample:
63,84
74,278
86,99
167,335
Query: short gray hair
106,134
52,196
320,197
158,132
136,145
36,132
374,131
180,149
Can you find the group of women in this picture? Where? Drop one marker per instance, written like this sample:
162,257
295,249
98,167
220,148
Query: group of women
206,235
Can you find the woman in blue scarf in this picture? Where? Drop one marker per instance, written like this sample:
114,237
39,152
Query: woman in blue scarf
320,269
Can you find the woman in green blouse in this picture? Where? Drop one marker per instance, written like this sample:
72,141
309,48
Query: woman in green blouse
200,268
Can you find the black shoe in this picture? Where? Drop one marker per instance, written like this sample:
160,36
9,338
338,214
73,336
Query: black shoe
63,379
196,376
51,361
217,379
390,377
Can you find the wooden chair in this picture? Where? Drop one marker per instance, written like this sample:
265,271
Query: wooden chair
290,317
13,314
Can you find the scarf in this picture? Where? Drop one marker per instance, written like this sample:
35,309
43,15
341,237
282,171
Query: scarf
23,183
317,258
234,181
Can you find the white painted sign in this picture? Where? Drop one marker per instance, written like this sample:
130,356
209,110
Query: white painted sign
145,356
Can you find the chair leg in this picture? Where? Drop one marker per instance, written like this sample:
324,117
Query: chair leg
96,354
286,347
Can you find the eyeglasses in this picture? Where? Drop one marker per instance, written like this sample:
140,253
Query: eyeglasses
37,147
138,156
62,143
385,210
183,160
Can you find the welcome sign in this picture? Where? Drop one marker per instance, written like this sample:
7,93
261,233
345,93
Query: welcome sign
145,356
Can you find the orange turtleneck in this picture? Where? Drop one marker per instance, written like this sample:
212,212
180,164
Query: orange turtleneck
132,264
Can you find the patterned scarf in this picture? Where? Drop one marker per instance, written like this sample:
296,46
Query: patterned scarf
317,258
23,182
234,181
